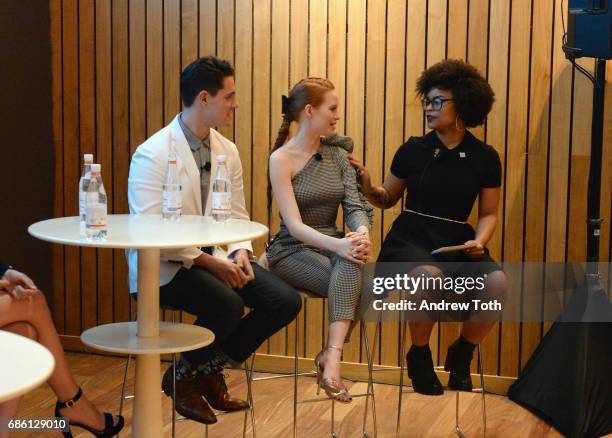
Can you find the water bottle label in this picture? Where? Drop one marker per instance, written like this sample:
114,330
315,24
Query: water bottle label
82,199
172,202
95,216
221,202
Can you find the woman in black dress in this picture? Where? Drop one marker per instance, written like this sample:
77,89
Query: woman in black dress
442,173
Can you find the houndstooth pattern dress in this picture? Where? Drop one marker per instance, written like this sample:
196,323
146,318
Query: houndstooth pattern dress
320,187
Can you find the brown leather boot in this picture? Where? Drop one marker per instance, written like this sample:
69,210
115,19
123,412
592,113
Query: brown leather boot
189,403
214,389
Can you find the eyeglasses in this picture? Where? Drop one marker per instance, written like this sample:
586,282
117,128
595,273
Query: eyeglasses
436,103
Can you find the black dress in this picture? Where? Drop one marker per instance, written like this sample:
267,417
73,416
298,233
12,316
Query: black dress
440,182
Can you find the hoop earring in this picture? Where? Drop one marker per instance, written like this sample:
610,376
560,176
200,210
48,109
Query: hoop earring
457,123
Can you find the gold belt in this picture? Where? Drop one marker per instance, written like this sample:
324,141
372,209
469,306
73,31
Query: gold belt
435,217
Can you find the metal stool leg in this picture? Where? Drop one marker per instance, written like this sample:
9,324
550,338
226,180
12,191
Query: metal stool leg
401,384
458,430
173,393
333,434
482,386
295,377
127,366
173,385
249,378
370,390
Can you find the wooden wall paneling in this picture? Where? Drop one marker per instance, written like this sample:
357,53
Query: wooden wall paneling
154,70
317,38
515,175
478,42
436,47
316,309
137,71
336,69
416,24
336,54
189,32
261,127
137,84
208,27
436,31
496,136
116,68
374,124
457,29
395,54
559,157
57,93
244,92
456,48
70,69
354,102
477,55
104,142
298,69
189,53
171,71
225,44
120,148
336,72
87,141
537,157
172,58
298,44
279,80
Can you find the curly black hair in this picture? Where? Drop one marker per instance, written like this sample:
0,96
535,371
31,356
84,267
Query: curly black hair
472,94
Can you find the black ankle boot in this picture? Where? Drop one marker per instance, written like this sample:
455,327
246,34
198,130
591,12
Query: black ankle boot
421,371
458,361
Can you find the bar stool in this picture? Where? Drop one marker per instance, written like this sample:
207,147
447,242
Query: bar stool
306,295
248,373
458,430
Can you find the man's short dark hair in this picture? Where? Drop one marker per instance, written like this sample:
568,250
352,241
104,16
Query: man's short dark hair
472,94
205,73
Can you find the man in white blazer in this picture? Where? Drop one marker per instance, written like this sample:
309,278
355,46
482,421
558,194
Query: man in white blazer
210,283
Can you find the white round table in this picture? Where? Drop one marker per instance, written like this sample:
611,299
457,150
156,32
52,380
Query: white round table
25,364
148,338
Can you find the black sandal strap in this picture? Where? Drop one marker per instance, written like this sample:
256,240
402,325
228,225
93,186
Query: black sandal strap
70,403
109,422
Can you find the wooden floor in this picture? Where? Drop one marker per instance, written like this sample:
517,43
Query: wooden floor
101,377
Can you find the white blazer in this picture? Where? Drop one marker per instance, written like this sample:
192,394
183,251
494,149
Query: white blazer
145,187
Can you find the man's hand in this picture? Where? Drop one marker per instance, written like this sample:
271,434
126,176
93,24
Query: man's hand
242,259
226,271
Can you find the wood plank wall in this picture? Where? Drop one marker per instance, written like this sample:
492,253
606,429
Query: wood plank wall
116,67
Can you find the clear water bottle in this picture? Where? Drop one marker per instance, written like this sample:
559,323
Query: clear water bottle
96,206
172,201
83,185
221,192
